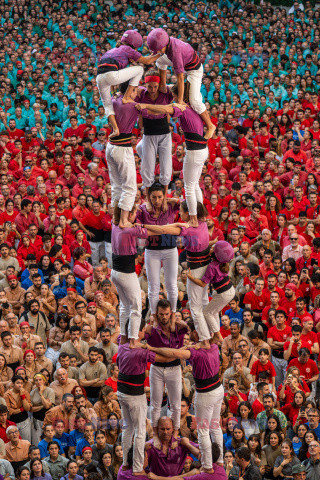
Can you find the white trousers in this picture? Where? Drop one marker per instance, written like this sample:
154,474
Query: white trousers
192,169
171,378
129,291
108,253
134,413
36,431
212,310
207,408
148,149
25,429
97,251
280,366
198,299
194,77
106,80
169,260
123,176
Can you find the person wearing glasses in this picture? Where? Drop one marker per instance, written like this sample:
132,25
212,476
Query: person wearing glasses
17,450
100,143
294,250
312,464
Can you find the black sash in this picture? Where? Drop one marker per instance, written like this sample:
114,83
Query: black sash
223,285
194,64
122,140
123,263
207,384
198,259
131,384
108,65
155,126
194,141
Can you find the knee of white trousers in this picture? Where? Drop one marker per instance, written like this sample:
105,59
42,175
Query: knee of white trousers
136,79
166,174
147,175
197,106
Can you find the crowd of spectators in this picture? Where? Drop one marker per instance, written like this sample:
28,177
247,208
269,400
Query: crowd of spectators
59,414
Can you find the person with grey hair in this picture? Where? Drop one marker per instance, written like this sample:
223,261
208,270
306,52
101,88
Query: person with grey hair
16,450
264,240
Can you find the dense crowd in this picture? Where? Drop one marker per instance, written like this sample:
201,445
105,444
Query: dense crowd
60,311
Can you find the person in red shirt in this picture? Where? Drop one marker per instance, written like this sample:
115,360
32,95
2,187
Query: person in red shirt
277,336
14,132
256,222
257,406
290,211
73,130
292,346
256,300
264,138
296,153
263,364
288,303
233,395
91,224
112,381
308,368
5,423
308,336
225,326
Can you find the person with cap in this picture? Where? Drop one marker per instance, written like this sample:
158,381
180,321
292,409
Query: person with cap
26,340
183,58
196,142
112,71
156,139
299,472
209,394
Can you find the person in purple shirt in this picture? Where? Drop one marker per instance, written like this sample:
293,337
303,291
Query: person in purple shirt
209,394
165,332
161,251
167,457
156,138
132,365
182,57
217,275
112,71
123,273
218,473
196,152
196,243
120,157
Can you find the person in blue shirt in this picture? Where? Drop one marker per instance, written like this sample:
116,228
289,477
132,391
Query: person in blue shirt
26,281
61,435
235,313
77,434
49,433
87,441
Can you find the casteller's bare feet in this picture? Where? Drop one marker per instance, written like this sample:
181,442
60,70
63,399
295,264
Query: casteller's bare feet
127,100
193,222
126,224
134,343
135,474
204,344
217,337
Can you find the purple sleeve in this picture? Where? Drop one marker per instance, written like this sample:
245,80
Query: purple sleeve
209,275
132,53
139,216
177,60
139,232
177,112
184,232
151,357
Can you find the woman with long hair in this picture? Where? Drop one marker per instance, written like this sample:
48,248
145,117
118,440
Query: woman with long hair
6,373
291,410
22,473
238,438
254,445
57,336
113,429
105,466
42,399
82,268
106,405
273,425
284,463
309,436
225,414
273,207
48,304
36,470
117,455
298,438
272,450
29,363
46,267
245,417
280,231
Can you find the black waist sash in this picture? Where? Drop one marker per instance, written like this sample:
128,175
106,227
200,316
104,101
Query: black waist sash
108,65
194,141
207,384
123,263
155,126
194,64
131,384
122,140
223,285
198,259
19,417
174,363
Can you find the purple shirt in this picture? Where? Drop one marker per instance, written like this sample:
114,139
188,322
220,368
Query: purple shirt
126,114
122,55
165,218
180,54
124,240
205,363
167,465
162,99
218,474
158,339
133,361
190,121
195,239
128,475
213,273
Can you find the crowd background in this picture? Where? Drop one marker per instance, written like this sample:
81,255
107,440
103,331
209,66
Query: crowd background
261,190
